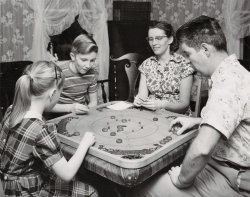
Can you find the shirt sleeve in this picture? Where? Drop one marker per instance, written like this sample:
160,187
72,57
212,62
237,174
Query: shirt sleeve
48,147
143,68
93,86
186,69
224,109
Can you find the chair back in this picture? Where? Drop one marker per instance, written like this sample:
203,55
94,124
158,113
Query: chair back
196,94
132,72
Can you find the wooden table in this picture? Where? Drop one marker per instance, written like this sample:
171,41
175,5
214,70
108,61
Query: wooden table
131,145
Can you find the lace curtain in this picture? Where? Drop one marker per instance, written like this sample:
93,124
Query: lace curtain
237,23
51,17
26,26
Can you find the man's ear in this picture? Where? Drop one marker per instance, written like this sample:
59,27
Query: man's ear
206,49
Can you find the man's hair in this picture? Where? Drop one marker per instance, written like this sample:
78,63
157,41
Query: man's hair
202,29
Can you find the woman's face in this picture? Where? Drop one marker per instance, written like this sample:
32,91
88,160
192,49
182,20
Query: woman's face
158,41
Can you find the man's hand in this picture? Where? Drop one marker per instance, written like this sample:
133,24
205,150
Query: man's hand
185,122
174,176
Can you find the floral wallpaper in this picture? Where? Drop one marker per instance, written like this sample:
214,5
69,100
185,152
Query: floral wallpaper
16,21
178,12
16,27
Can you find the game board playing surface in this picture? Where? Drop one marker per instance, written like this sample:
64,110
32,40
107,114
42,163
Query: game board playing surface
131,138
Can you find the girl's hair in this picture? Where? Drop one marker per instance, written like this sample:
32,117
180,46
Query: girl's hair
84,43
37,78
169,31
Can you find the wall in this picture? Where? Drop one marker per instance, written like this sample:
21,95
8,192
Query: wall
178,12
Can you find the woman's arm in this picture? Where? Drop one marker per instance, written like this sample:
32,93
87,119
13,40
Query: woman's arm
179,107
143,91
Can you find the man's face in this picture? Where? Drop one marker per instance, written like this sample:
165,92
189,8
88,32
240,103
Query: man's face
84,62
197,58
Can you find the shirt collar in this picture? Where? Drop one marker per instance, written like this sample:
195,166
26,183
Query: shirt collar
33,114
224,65
173,57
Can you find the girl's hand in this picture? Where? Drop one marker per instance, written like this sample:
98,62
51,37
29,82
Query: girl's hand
89,138
79,108
185,122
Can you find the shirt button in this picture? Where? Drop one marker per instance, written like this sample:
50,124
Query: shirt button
4,140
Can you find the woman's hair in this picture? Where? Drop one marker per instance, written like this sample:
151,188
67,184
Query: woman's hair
83,44
202,29
37,78
169,31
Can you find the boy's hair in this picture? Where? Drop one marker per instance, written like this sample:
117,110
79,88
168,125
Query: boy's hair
83,44
37,78
202,29
169,31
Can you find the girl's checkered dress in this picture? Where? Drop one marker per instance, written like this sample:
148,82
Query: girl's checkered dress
27,154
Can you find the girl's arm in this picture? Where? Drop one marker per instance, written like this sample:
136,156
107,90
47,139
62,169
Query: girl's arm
66,170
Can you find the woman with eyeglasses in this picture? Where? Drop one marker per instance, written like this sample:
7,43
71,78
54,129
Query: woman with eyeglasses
32,163
81,73
166,78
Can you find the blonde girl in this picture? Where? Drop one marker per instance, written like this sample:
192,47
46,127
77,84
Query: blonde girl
32,163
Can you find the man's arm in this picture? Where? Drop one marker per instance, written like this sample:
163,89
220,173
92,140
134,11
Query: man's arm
197,156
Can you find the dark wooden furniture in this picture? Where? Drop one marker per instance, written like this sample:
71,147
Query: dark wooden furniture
125,37
9,73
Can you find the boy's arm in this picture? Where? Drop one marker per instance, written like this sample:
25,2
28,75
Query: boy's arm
92,99
76,108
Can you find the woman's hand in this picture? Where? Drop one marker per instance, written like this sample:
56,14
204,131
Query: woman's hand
137,101
153,104
78,108
185,122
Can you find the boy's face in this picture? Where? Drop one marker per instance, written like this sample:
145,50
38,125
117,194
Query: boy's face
197,58
83,62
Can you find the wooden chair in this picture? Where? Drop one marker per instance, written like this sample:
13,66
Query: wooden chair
197,93
134,59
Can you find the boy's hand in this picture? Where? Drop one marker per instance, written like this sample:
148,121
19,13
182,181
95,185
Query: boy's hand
89,138
79,108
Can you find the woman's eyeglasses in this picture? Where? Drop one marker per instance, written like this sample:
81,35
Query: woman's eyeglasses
157,38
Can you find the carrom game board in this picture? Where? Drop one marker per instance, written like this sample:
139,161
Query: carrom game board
131,138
